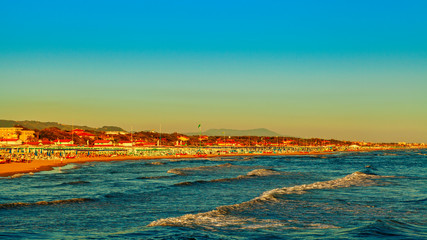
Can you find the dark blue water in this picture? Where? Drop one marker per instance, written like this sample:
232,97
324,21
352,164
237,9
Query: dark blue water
372,195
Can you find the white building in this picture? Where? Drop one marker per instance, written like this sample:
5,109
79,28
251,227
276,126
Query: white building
10,142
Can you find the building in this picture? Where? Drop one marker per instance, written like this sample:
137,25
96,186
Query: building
139,143
115,132
180,144
16,133
63,142
183,138
33,143
103,143
150,144
9,132
10,142
125,144
26,135
82,133
45,142
39,143
203,138
354,147
228,143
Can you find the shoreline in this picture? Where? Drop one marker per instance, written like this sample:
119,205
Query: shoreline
11,169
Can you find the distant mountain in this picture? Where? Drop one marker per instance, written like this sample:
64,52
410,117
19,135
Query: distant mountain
42,125
110,128
232,132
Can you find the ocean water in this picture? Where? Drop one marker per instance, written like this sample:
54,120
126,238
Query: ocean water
371,195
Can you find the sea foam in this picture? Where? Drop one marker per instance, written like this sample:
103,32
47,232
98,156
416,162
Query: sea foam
228,216
251,174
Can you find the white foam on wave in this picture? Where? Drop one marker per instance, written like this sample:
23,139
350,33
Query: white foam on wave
354,179
251,174
216,219
224,216
263,172
17,175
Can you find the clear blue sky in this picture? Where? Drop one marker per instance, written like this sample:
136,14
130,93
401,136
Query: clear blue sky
352,70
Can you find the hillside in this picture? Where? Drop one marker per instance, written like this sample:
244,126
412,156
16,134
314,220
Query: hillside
42,125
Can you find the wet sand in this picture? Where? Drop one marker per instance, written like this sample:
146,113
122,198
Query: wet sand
10,169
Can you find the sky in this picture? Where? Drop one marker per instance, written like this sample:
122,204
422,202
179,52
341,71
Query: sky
348,70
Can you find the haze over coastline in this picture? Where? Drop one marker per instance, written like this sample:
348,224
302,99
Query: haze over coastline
304,69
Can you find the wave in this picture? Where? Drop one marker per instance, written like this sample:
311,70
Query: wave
263,172
354,179
156,163
388,154
18,175
185,171
391,228
232,159
225,216
55,202
154,177
75,183
251,174
417,200
204,181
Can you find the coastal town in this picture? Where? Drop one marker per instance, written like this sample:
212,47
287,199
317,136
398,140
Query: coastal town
20,144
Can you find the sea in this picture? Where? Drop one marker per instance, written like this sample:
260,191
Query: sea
343,195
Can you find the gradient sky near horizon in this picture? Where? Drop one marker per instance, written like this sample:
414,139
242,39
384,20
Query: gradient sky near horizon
350,70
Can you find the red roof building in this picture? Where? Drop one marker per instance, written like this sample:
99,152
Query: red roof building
85,134
180,144
203,138
103,143
77,130
33,143
149,144
46,142
82,133
139,143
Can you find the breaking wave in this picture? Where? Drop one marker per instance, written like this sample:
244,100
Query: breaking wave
231,215
263,172
254,173
17,175
354,179
55,202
